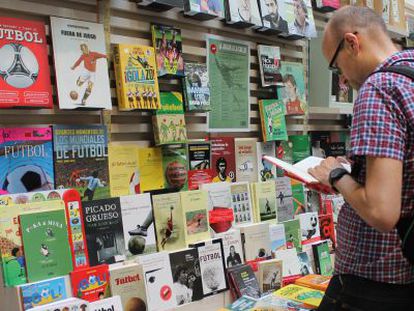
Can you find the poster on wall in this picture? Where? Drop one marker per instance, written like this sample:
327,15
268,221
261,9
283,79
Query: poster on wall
228,67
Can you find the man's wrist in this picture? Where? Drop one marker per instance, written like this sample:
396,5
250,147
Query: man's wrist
335,175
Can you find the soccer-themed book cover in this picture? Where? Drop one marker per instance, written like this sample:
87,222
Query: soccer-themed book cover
151,173
309,226
266,170
91,284
44,292
136,77
241,203
243,13
232,247
256,241
196,87
26,159
265,201
269,63
199,160
272,117
45,244
223,159
81,159
108,304
24,67
244,281
71,304
167,43
204,10
81,64
104,231
246,159
175,164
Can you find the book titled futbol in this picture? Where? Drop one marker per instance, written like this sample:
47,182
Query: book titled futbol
24,68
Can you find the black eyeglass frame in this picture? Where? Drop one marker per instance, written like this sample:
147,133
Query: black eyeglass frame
332,65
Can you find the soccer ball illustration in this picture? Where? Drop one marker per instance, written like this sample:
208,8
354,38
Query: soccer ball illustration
27,178
19,66
74,95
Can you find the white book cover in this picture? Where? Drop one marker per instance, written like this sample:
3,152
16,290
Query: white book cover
309,227
232,246
256,241
210,254
138,224
277,237
81,64
108,304
127,281
69,304
246,159
241,203
284,199
158,281
266,170
291,264
244,11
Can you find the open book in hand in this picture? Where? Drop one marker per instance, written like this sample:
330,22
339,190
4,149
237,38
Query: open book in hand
299,171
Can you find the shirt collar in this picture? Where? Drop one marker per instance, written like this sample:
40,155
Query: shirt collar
396,57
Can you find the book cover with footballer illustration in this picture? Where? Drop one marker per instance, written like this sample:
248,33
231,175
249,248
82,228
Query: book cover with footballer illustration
45,244
196,88
138,224
44,292
91,283
269,63
104,231
136,77
168,122
265,201
266,170
81,64
167,43
81,159
127,281
11,251
293,234
24,70
272,117
199,164
293,93
277,237
26,159
223,160
169,223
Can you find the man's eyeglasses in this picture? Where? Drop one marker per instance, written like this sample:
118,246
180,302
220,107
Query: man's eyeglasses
332,65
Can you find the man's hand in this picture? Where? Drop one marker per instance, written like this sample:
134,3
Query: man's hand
322,171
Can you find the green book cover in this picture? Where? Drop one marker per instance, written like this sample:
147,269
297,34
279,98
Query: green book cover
175,166
168,122
46,245
323,259
298,195
272,115
292,232
301,147
284,151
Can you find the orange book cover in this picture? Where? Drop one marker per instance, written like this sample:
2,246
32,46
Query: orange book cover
314,281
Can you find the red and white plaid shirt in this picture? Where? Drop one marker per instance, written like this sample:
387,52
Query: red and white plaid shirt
382,126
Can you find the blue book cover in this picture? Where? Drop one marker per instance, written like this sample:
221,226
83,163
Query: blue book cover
44,292
26,160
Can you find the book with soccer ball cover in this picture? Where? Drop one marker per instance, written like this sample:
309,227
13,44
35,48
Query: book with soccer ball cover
11,250
185,268
24,70
124,175
175,165
196,87
81,64
44,292
81,159
167,42
272,119
223,160
108,304
138,224
45,244
151,173
127,281
168,122
169,223
309,226
26,159
104,231
91,283
136,77
269,63
199,164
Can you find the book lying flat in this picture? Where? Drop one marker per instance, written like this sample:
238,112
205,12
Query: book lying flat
299,171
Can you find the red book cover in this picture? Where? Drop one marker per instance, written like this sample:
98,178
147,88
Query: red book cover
326,225
223,159
91,284
24,67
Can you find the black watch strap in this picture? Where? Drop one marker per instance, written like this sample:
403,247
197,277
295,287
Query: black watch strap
335,175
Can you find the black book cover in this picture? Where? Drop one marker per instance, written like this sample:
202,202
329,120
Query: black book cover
244,281
104,231
185,269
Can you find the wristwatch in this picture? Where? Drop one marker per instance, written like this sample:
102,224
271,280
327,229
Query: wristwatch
335,175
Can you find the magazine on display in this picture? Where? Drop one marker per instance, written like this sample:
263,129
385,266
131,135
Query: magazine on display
243,13
24,72
196,87
299,16
204,9
81,64
273,13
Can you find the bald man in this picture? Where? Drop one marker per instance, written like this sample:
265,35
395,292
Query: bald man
371,272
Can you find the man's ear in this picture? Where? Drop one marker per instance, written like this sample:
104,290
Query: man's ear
352,43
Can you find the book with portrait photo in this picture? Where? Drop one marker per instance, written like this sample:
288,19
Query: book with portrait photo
223,160
204,9
232,246
243,13
196,87
273,13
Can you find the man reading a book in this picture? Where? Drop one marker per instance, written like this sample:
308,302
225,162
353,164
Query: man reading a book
371,271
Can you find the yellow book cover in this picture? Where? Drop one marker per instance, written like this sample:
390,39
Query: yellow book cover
265,201
253,192
150,169
136,77
123,170
308,296
195,204
169,224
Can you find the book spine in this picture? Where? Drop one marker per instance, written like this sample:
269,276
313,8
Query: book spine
316,258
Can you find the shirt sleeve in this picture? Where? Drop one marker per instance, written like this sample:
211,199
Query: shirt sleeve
378,126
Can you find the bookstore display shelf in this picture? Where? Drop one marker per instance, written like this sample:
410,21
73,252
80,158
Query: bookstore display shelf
330,111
